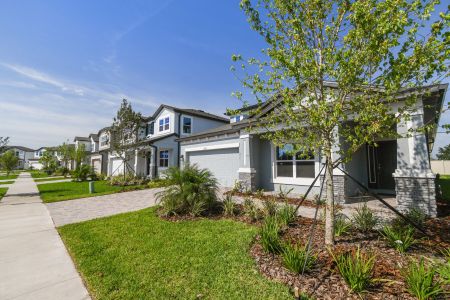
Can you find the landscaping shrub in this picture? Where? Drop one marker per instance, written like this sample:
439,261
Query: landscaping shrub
259,193
270,207
190,191
63,171
415,215
270,239
286,214
229,206
399,238
83,172
356,268
420,280
157,183
283,194
238,187
444,272
129,179
341,225
364,219
250,209
295,258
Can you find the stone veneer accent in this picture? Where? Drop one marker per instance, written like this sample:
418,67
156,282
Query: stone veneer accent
416,192
248,179
339,182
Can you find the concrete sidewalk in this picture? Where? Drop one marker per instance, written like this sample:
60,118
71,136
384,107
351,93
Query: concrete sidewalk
34,263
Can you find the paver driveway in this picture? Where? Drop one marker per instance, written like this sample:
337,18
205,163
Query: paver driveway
73,211
34,264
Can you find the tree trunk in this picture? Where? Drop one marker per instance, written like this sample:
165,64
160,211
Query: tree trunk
329,210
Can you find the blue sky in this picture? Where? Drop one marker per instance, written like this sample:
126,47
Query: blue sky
66,65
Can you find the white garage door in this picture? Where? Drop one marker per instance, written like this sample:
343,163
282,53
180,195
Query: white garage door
223,163
117,167
97,165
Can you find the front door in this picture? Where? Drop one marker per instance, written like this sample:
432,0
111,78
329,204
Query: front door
381,163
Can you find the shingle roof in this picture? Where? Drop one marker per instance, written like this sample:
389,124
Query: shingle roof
26,149
94,136
81,138
190,111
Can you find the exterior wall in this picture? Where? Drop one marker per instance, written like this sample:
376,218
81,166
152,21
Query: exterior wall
170,144
416,192
440,167
104,135
198,124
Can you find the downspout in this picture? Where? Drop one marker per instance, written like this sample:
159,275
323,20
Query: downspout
178,142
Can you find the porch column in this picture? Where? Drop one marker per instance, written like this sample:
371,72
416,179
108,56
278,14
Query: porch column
136,153
414,181
152,168
247,172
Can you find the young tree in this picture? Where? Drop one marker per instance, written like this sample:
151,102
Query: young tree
125,134
3,143
79,155
49,162
443,153
65,152
8,161
369,50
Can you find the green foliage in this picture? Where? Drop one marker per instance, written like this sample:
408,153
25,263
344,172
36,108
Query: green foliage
157,183
286,214
62,171
238,187
3,143
250,210
356,268
191,191
79,154
8,161
270,207
364,219
296,259
128,179
444,272
283,194
420,281
341,225
259,193
399,238
65,152
415,215
270,238
443,153
49,162
83,172
229,206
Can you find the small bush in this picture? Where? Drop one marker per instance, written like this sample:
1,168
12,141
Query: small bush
250,209
129,179
190,191
259,193
283,194
296,259
420,281
364,219
270,239
444,272
415,215
229,206
399,238
286,214
356,268
157,183
270,207
83,172
341,225
238,187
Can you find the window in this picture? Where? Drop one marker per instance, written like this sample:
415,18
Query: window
293,165
151,128
164,124
164,158
104,140
187,125
238,118
17,153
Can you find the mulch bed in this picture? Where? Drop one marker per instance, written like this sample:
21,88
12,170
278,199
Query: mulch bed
290,200
325,282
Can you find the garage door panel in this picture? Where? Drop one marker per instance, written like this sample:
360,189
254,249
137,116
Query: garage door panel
223,163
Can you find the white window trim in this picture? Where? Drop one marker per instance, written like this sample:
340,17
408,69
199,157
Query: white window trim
293,180
163,118
182,125
212,147
168,158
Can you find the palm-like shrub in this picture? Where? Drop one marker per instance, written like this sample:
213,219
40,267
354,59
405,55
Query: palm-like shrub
270,238
190,191
356,268
229,206
364,219
286,214
420,281
250,209
399,238
296,258
341,225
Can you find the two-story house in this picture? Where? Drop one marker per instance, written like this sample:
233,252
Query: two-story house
95,158
33,162
23,154
158,146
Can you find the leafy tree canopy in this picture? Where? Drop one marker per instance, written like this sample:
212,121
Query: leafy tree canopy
443,153
8,161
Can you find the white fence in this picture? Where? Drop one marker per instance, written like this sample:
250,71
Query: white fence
440,167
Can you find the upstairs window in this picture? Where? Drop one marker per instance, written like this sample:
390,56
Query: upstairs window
238,118
104,140
151,128
164,158
17,153
293,165
164,124
187,125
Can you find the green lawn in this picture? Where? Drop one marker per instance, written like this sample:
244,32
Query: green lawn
2,192
38,174
6,182
139,256
444,182
49,179
60,191
10,176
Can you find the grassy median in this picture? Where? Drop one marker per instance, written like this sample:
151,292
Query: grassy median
139,256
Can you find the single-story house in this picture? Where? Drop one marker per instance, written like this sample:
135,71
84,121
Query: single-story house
399,167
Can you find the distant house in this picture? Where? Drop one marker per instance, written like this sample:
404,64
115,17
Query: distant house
24,154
